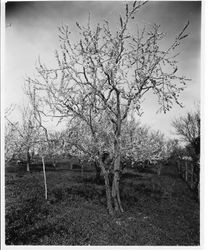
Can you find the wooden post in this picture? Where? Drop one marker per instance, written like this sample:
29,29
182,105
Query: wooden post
198,188
82,170
186,171
182,169
180,172
28,167
28,161
44,172
192,176
179,167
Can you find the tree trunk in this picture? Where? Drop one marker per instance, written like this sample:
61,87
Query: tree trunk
28,161
98,172
116,192
116,179
107,188
114,195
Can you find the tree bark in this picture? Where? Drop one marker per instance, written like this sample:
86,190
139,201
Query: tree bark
116,179
116,192
117,158
107,188
114,195
98,172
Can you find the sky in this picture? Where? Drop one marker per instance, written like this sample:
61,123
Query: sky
32,32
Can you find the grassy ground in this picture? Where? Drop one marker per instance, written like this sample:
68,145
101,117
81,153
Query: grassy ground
76,211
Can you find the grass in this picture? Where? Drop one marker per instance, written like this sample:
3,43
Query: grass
76,214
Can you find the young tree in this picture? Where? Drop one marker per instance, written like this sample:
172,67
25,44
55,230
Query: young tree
107,71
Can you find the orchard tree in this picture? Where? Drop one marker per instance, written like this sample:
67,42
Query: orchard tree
140,143
174,149
110,71
53,139
93,142
44,150
86,137
24,133
12,145
188,128
80,143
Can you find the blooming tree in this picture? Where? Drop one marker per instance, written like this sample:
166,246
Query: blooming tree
93,143
140,143
110,71
21,137
188,128
12,145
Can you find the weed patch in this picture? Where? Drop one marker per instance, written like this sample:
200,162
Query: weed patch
76,213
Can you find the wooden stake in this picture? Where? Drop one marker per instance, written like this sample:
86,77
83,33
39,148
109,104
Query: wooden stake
180,170
44,171
28,167
82,174
178,163
186,171
192,175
